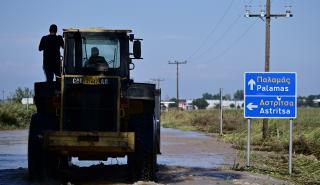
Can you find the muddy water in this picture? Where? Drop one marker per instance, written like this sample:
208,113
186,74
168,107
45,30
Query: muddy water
13,149
193,149
179,148
187,158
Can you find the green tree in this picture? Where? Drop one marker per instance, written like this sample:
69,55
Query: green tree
309,100
216,96
226,97
22,93
301,101
171,105
207,96
238,95
201,103
232,105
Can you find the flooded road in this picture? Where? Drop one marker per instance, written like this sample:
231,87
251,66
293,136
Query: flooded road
187,158
13,149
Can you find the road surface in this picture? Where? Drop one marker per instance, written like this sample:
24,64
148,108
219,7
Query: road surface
187,158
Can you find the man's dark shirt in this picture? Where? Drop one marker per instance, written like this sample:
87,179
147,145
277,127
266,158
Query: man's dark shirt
50,45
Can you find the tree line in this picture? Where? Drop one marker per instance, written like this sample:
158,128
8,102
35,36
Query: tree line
19,93
308,101
201,103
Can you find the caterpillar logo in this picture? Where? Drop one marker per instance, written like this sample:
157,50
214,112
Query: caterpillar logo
90,81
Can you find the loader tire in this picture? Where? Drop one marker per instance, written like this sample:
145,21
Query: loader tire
42,163
35,151
142,163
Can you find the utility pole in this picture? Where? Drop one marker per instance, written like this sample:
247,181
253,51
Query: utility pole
266,16
177,63
221,113
2,95
157,80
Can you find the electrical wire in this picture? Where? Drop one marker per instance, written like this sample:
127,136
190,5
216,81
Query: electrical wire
236,41
195,54
213,30
217,41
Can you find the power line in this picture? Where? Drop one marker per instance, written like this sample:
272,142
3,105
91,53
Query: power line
234,43
266,16
287,14
233,23
157,81
229,28
213,30
177,63
221,37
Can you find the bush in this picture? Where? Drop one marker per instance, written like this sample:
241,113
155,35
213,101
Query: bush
15,115
200,103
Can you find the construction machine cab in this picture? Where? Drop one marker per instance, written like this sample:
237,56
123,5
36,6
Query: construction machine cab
98,51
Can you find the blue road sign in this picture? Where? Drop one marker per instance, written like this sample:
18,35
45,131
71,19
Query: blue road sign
270,95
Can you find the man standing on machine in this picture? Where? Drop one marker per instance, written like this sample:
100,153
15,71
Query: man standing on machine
50,45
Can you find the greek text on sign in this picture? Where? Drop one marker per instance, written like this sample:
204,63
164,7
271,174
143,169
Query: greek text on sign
270,95
270,84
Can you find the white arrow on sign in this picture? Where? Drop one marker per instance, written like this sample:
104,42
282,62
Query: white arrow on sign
251,83
250,106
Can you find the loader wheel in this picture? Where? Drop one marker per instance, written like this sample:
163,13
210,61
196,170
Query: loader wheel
142,163
35,152
42,163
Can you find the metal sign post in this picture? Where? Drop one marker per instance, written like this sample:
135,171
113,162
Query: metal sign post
248,142
290,146
270,95
27,103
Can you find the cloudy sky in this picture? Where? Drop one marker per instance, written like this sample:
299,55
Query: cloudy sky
217,41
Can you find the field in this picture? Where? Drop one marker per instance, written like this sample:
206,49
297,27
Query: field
269,156
15,115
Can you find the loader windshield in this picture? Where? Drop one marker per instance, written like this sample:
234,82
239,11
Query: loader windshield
105,49
91,52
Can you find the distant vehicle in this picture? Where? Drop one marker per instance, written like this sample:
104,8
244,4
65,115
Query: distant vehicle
95,111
